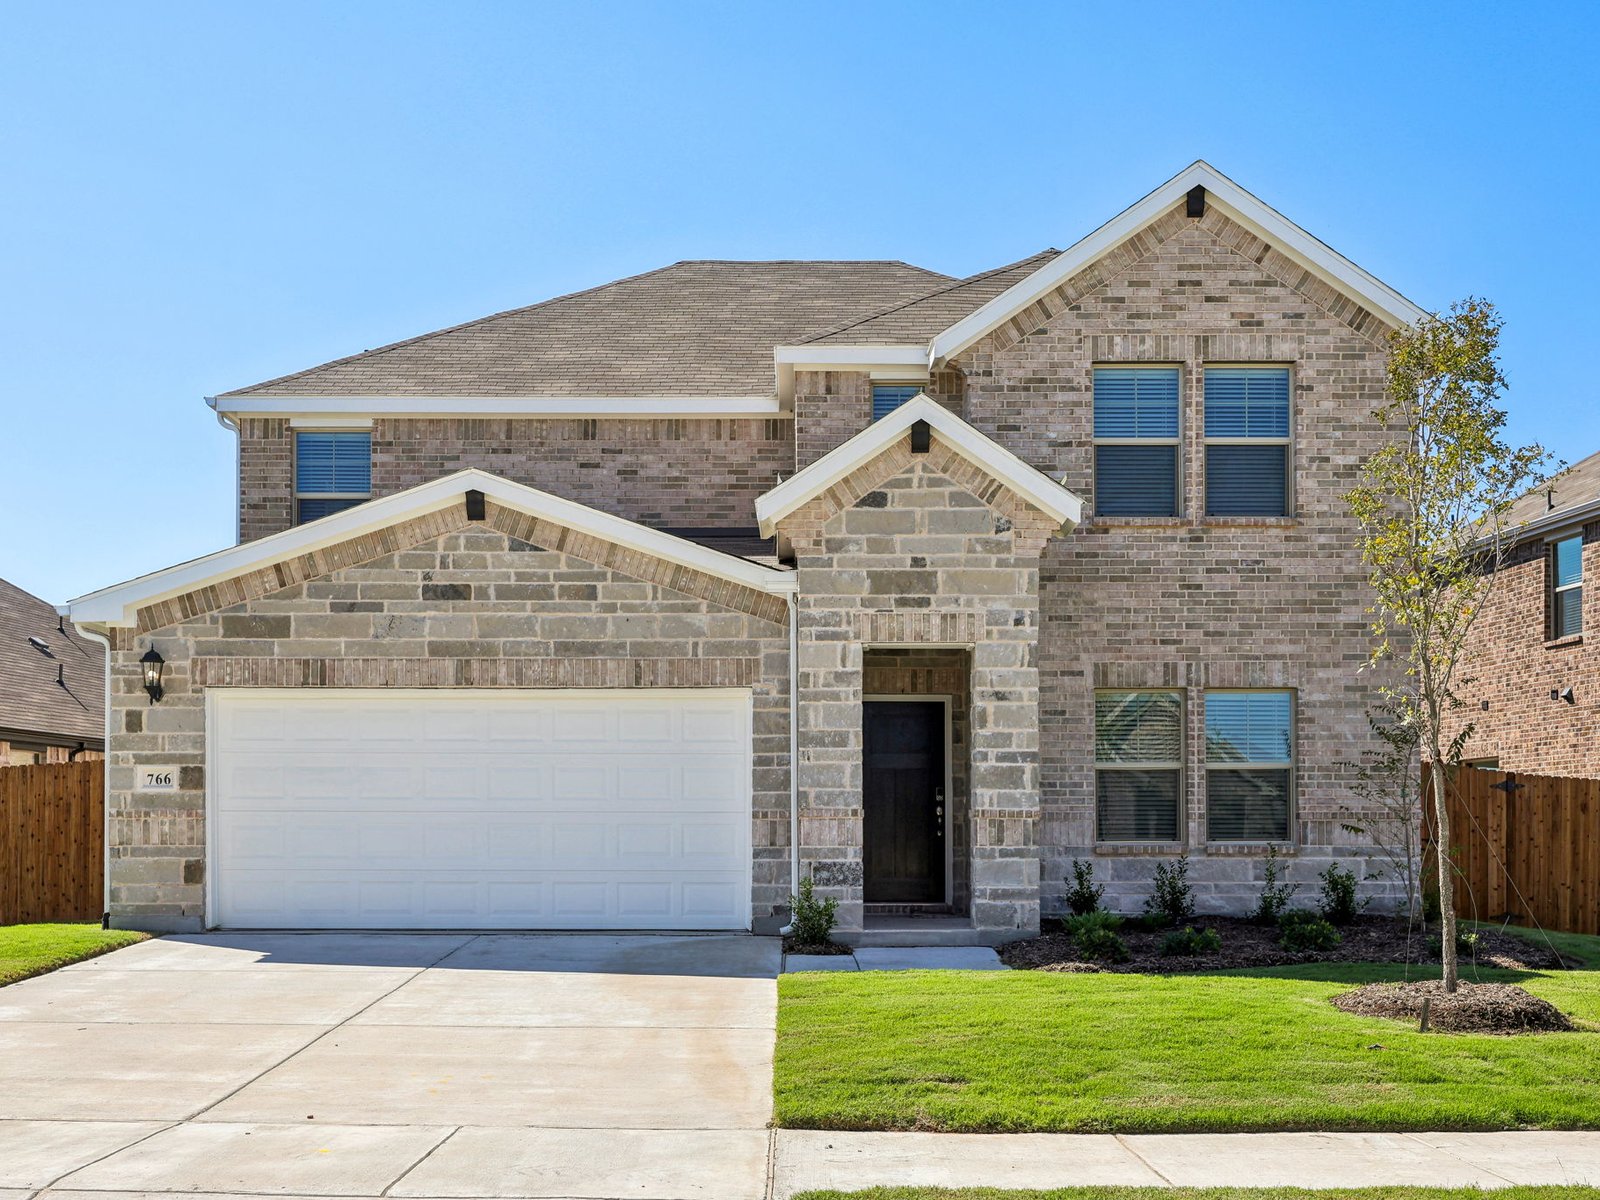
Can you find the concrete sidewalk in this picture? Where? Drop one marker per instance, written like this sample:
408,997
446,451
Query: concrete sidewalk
804,1160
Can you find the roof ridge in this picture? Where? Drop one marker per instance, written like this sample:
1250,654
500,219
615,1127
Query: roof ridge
954,285
567,296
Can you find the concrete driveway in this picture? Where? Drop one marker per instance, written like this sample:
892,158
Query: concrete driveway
411,1065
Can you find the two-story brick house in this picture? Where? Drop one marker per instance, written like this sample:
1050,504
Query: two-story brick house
530,617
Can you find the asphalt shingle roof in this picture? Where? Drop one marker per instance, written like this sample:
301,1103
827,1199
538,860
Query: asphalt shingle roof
1577,485
31,701
699,328
921,319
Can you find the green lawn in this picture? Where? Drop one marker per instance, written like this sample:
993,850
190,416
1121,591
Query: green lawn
1234,1050
1163,1193
34,949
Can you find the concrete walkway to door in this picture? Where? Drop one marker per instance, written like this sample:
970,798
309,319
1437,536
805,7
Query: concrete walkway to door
393,1065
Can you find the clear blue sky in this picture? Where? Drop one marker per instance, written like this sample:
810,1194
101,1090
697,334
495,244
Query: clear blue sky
195,197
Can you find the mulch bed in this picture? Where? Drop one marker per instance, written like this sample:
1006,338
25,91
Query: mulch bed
1246,944
790,946
1501,1008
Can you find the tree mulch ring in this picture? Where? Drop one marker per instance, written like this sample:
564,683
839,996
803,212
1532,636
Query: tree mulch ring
790,946
1501,1008
1247,944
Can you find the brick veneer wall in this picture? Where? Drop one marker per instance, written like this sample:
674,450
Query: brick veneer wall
478,606
905,552
676,473
1513,666
1194,602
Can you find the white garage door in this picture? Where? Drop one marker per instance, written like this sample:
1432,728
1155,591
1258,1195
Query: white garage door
478,809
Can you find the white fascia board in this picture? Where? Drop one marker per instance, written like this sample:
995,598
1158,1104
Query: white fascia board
820,357
1034,486
1575,516
119,605
1236,203
666,407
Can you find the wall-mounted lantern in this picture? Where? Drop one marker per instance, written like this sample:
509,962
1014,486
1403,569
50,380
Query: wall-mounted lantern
153,664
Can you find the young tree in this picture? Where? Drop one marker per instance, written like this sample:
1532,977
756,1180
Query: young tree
1432,504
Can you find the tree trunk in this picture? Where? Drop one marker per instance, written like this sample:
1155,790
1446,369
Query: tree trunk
1447,893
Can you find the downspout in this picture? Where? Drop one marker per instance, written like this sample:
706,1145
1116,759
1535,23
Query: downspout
105,800
238,466
792,599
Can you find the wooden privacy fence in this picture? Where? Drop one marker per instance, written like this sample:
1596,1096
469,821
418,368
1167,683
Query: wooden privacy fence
52,842
1524,846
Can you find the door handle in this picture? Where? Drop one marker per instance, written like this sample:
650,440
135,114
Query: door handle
938,812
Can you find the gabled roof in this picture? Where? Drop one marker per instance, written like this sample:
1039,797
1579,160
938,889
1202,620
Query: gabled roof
1234,202
694,329
920,319
1033,485
37,648
119,605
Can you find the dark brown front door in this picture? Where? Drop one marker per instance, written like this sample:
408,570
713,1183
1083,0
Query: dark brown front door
903,798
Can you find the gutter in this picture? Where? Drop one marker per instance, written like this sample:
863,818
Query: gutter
105,800
1578,514
792,599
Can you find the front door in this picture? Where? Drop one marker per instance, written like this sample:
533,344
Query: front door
904,802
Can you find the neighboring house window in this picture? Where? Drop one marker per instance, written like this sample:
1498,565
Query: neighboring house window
1249,766
886,397
332,472
1566,610
1136,441
1138,765
1247,441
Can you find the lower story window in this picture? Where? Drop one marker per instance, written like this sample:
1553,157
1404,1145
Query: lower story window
1138,768
1249,765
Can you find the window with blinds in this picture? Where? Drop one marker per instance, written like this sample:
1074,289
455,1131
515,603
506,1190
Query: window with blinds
332,472
1249,765
1247,441
1136,441
1138,766
1566,594
886,397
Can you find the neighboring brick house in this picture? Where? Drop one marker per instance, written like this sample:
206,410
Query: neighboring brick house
52,684
1058,552
1531,689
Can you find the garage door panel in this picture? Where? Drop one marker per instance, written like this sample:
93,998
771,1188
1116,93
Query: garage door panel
464,809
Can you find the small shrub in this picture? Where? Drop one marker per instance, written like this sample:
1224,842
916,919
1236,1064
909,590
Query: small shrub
1172,902
1084,894
1466,943
1275,895
1097,937
811,923
1189,941
1304,932
1339,905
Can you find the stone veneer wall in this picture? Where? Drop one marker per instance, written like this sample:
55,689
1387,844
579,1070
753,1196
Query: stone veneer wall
508,603
652,471
1513,665
922,550
1195,602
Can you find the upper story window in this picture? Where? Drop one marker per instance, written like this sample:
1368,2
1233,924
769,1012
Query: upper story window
1138,766
332,472
886,397
1136,441
1566,596
1247,441
1249,765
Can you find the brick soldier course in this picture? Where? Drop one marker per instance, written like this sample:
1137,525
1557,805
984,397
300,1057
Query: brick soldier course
916,569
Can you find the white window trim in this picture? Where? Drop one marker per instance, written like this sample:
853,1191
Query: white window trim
1289,765
1288,459
1552,545
1180,766
1177,459
294,468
